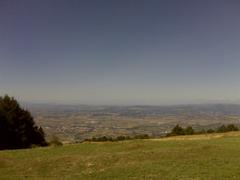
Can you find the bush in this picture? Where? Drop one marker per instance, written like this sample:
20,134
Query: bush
202,131
120,138
232,127
188,131
142,136
210,131
177,130
55,141
222,129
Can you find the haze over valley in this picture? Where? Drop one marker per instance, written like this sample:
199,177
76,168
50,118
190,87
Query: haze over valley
75,123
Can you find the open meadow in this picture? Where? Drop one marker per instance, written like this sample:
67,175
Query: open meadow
214,156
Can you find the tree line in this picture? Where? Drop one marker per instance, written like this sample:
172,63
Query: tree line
178,130
118,138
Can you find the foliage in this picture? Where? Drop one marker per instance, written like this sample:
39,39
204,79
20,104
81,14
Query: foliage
17,127
178,130
210,131
118,138
189,131
55,141
221,129
230,127
142,136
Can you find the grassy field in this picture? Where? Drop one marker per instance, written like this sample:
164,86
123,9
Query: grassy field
215,156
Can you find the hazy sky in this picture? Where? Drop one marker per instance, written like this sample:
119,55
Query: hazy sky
120,51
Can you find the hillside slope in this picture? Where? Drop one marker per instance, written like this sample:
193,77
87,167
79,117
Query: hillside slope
213,156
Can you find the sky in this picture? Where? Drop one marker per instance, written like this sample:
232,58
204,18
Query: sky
120,52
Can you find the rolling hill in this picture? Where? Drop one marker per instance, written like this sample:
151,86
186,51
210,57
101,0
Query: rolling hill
212,156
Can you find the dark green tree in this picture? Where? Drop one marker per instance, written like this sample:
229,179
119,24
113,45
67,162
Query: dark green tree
222,129
189,130
177,130
17,127
210,131
232,127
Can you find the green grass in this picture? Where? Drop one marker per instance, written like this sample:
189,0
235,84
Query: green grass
171,158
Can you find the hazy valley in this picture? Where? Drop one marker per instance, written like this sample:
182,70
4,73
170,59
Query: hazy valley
74,123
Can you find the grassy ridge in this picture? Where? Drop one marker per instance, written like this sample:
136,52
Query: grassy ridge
189,157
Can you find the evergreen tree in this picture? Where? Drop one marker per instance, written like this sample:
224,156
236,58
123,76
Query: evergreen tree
17,127
177,130
222,129
210,131
189,130
232,127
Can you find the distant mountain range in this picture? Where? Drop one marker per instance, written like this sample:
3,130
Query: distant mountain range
211,109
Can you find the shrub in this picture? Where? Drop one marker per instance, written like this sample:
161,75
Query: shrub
55,141
188,131
120,138
222,129
232,127
142,136
177,130
210,131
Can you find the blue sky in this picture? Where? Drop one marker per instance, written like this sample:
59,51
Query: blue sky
150,52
